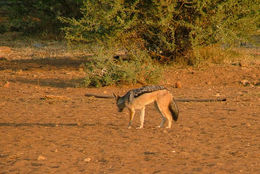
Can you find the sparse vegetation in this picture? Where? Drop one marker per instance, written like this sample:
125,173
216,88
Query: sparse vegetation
104,70
216,54
164,29
184,32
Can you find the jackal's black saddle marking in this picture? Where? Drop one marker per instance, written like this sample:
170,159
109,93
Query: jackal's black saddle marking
146,89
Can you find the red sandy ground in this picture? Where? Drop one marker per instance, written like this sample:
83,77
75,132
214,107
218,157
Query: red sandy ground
48,126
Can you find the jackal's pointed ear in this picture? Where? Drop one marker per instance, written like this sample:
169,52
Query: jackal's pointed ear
115,96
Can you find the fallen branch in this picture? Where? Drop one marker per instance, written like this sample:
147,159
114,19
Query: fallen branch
177,100
99,96
201,100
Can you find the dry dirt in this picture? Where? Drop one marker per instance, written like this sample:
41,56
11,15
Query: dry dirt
48,126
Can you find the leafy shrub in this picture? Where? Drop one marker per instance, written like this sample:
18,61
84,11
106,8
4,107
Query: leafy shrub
165,29
104,70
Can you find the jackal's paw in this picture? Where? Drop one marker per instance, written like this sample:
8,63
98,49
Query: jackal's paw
141,127
168,127
159,126
129,127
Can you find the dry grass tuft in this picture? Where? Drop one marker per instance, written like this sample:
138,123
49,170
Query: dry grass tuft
216,54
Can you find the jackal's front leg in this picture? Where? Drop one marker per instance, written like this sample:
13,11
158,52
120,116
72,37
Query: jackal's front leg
142,118
162,122
131,114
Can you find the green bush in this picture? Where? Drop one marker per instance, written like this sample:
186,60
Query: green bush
104,70
163,30
166,28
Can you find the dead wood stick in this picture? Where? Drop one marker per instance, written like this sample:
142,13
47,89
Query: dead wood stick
98,96
177,100
201,100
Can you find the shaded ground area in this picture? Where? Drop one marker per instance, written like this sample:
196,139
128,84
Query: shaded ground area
48,126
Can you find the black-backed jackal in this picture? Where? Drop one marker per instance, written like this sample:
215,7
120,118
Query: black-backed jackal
139,98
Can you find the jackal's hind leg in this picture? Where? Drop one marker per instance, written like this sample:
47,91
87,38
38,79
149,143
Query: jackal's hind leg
142,118
169,118
162,116
165,112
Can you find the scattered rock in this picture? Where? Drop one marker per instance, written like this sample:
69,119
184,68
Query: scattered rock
243,64
217,95
7,84
87,159
41,158
208,83
19,72
178,84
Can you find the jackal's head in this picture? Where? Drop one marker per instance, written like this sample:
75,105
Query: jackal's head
120,102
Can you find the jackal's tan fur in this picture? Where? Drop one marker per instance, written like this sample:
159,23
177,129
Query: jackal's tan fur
139,98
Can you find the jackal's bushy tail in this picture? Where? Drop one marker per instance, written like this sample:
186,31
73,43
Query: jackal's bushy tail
174,110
